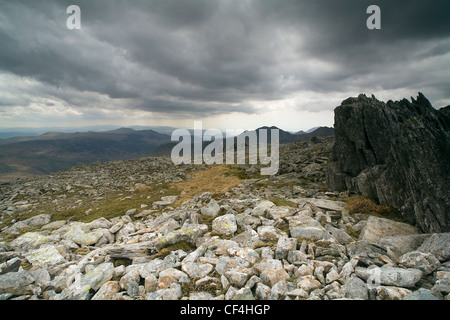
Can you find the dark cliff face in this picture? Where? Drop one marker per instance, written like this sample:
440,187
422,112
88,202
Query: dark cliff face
397,153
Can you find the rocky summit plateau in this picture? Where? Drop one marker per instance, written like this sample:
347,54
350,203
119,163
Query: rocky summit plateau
147,229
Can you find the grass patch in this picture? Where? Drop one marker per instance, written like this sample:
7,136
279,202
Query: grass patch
117,205
114,205
241,173
263,184
353,232
283,202
216,179
359,204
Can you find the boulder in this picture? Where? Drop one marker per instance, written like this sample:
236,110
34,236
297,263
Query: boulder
438,245
355,288
339,235
130,251
397,246
325,204
390,276
261,208
377,228
38,220
98,276
225,224
165,201
84,286
441,287
246,254
174,292
308,283
243,294
41,277
262,291
247,238
425,262
170,276
269,233
211,209
196,270
45,256
295,257
298,293
275,212
189,234
307,228
54,225
16,283
271,271
33,240
421,294
234,269
129,277
391,293
80,234
107,291
285,245
238,276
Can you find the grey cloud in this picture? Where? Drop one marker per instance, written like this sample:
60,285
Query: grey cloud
213,57
184,108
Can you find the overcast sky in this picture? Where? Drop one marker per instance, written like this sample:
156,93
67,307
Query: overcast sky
231,63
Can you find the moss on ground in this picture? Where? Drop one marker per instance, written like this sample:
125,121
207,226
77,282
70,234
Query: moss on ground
283,202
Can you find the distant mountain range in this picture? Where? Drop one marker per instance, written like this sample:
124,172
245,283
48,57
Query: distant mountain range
23,156
6,133
54,151
284,137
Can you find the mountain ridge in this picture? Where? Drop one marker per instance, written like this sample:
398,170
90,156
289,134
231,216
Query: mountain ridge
53,151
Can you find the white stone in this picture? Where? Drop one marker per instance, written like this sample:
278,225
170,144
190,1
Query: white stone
225,224
45,256
262,208
211,209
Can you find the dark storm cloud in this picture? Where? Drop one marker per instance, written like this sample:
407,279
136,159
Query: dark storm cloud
214,57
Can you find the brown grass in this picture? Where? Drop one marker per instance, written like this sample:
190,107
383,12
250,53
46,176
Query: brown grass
216,179
360,204
283,202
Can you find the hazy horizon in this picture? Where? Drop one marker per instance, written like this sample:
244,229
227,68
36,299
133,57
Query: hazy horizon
243,64
36,131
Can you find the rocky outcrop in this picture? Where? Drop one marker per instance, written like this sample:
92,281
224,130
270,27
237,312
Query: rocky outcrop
396,153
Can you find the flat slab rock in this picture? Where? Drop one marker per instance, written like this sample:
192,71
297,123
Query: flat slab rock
377,228
325,204
390,276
